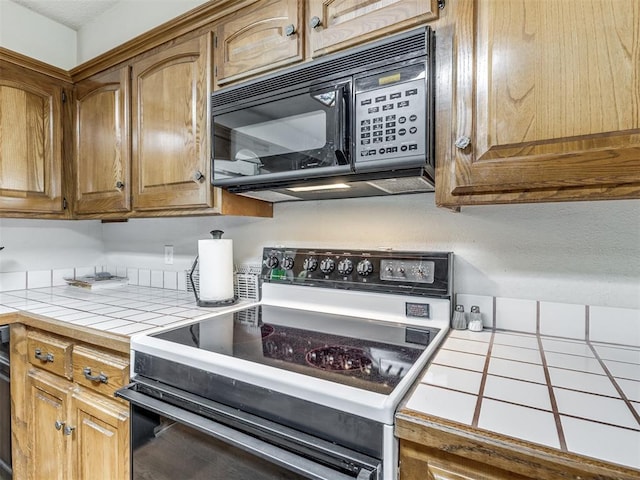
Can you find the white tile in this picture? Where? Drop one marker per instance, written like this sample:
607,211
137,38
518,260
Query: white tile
170,280
182,282
460,360
13,281
93,319
518,370
4,309
131,328
629,371
516,340
132,275
141,316
468,346
528,355
515,314
574,362
618,354
563,320
567,346
631,388
443,403
144,277
112,323
483,336
594,407
70,317
519,422
484,302
585,382
164,320
157,278
59,275
38,278
453,378
611,444
516,391
614,325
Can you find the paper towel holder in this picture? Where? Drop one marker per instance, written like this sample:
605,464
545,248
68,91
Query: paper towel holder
216,235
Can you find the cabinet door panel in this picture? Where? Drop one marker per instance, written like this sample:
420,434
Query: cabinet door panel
346,22
102,143
49,445
30,142
170,132
101,450
547,93
254,40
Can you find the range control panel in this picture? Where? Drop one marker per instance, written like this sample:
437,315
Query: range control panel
421,273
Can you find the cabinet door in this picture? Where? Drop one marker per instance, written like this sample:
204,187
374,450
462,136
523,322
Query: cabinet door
261,37
336,24
171,146
102,143
101,448
31,124
546,103
48,415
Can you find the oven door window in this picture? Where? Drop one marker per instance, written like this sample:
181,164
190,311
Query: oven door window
283,137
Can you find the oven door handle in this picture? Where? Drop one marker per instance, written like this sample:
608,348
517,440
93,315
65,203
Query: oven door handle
255,446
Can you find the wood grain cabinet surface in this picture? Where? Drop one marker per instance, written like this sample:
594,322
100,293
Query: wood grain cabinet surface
545,103
268,34
31,140
67,423
102,161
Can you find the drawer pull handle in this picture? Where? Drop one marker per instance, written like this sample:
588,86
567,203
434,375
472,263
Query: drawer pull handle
119,185
68,430
102,378
59,425
43,357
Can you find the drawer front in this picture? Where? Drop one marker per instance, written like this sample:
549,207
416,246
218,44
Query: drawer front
99,371
50,353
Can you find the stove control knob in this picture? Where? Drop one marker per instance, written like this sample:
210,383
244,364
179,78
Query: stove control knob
310,264
364,268
287,263
345,267
272,261
327,265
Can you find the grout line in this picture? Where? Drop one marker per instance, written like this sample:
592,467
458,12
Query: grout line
538,317
623,396
494,314
552,397
485,370
586,323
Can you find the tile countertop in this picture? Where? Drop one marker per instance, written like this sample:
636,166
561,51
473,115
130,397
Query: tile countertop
575,396
123,310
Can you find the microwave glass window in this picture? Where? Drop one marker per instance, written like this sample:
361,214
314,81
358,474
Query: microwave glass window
280,136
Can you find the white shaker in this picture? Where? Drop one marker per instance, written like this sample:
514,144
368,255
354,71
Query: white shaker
475,319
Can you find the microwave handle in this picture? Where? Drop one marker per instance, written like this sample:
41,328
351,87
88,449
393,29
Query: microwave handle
342,126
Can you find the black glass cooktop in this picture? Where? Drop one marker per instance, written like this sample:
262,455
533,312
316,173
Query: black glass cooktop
362,353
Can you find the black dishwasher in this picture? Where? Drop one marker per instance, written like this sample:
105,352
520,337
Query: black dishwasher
5,405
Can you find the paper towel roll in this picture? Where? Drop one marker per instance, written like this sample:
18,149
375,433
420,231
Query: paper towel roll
215,260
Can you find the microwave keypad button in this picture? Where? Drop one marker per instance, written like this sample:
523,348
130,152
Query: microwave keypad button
382,151
366,102
403,148
378,126
377,120
404,103
413,118
374,109
365,122
391,131
377,133
413,91
390,124
365,129
402,131
366,135
388,106
402,119
393,96
390,138
365,141
413,146
377,140
390,118
392,149
413,130
372,152
382,98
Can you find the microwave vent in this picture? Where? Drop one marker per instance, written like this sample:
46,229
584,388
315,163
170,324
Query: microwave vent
403,47
395,186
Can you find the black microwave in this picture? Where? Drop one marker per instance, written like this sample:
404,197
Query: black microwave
356,123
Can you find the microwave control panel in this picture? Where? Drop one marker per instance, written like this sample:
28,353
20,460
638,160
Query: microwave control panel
391,115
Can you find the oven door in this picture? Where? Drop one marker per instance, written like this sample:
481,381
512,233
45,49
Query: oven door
300,134
175,434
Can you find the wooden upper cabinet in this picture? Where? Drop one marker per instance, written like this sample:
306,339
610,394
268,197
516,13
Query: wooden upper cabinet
102,143
171,146
31,126
266,35
546,94
337,24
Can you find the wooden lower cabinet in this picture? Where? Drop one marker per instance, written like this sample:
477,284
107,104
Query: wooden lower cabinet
67,428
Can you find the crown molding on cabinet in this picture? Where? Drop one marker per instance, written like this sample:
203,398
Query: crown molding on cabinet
34,65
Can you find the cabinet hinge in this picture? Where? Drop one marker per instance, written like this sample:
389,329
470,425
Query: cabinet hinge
215,71
64,203
64,97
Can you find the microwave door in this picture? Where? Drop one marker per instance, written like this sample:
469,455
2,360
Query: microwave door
283,139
